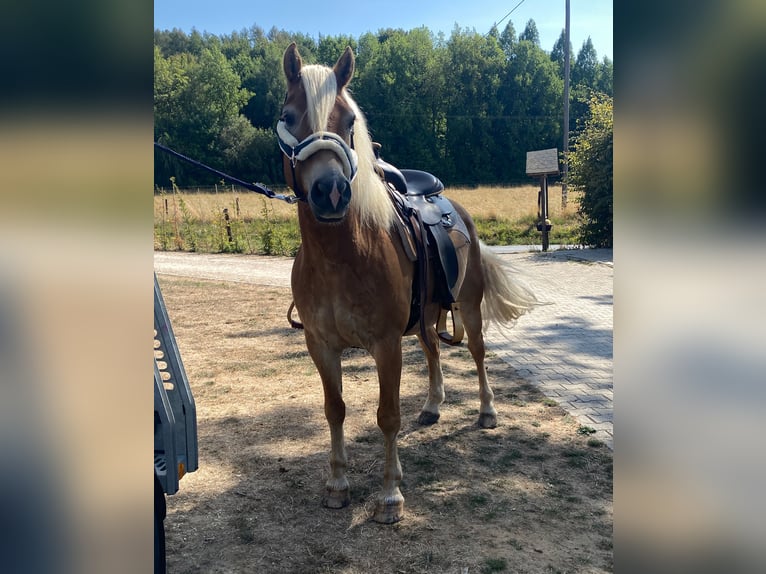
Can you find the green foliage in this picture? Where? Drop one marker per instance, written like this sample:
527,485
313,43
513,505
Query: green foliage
558,54
590,170
161,229
466,108
271,235
494,565
524,231
586,65
532,92
187,237
530,33
195,98
273,239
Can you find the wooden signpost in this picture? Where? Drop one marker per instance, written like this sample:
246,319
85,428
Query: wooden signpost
543,163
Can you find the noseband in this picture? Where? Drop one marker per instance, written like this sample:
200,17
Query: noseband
300,151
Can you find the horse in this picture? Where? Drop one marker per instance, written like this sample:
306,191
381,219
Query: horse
352,281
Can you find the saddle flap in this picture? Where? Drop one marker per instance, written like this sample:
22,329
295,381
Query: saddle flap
434,209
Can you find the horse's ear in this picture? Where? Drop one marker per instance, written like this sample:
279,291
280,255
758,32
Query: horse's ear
292,63
344,68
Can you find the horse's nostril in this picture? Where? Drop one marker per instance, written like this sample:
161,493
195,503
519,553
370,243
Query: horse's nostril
332,192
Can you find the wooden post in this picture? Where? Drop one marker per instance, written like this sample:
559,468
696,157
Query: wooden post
564,191
544,211
236,202
228,224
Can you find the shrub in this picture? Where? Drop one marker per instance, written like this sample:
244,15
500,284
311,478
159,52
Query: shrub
590,171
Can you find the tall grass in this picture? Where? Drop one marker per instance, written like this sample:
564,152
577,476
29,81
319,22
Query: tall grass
188,220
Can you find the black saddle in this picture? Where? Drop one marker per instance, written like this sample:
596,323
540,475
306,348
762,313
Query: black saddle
411,182
420,202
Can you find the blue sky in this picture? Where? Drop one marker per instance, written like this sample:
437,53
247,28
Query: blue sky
333,17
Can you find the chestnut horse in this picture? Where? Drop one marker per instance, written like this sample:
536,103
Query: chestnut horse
352,280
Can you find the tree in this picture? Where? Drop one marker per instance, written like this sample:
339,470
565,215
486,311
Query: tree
530,33
194,99
558,53
531,93
250,152
604,77
472,74
590,171
586,65
171,42
508,38
399,86
329,48
466,108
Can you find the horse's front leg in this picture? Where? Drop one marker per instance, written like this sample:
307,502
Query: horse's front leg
328,364
388,359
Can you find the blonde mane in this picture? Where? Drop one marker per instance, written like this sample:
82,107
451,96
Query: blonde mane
369,198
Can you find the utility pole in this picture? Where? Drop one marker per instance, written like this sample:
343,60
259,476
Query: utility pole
566,110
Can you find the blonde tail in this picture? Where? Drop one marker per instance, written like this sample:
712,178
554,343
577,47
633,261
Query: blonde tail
505,298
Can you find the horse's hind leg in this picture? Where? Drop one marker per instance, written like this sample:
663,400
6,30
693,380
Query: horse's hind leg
328,364
473,328
430,412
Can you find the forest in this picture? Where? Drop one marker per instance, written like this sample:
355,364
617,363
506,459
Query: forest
465,107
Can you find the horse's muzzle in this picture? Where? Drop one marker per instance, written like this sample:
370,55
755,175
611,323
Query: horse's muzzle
329,197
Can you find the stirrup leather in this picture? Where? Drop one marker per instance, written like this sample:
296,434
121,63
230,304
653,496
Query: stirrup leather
457,325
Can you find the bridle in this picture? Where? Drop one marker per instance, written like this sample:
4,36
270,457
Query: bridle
296,151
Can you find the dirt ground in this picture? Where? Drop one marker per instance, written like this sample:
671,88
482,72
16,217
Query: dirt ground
532,495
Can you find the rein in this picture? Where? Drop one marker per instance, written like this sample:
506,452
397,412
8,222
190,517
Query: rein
256,187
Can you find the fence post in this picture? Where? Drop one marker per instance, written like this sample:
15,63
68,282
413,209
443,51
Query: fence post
236,201
228,224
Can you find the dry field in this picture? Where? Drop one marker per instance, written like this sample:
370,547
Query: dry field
532,495
511,203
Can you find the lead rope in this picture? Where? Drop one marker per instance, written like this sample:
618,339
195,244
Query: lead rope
256,187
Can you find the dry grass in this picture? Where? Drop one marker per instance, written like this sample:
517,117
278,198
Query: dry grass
530,495
509,203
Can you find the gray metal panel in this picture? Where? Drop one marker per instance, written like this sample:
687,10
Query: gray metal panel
175,410
181,395
164,441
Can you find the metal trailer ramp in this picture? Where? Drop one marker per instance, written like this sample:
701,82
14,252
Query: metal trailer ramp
175,414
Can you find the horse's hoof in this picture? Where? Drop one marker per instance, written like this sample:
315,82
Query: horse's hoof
428,418
487,420
389,511
336,498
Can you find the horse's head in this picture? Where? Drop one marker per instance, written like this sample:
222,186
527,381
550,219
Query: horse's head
316,131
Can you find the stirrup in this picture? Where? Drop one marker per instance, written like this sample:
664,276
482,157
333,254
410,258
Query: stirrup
457,325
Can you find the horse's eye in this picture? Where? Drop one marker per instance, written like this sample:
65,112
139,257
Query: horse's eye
351,121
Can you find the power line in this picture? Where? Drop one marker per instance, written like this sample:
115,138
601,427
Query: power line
509,13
